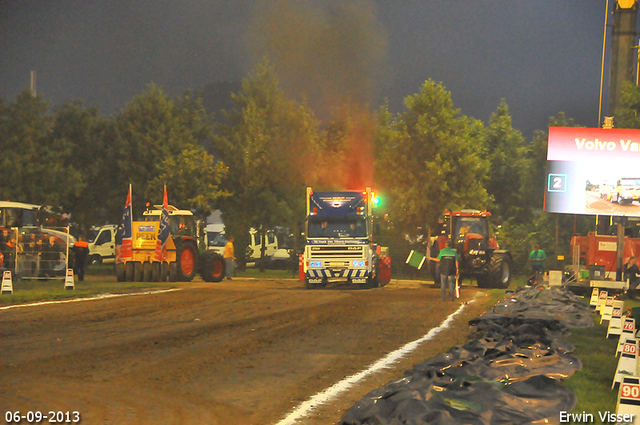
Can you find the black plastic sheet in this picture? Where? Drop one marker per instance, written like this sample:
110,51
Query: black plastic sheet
508,373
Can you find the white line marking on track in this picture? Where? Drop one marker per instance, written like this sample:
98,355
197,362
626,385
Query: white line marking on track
332,392
98,297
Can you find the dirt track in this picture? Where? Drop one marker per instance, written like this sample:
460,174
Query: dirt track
239,352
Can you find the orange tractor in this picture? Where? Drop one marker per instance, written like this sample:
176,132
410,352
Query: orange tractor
480,256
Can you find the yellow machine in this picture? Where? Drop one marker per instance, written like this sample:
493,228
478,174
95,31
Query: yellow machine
181,261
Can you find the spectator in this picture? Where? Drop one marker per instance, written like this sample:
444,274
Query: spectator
632,273
229,257
10,253
537,258
80,254
50,256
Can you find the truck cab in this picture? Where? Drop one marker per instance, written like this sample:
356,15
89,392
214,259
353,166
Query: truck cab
339,244
102,244
627,190
276,254
214,238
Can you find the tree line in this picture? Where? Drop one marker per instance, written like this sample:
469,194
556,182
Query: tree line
254,162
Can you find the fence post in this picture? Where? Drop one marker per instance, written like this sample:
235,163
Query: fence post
66,259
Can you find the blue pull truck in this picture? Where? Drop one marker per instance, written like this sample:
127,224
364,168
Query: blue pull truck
339,239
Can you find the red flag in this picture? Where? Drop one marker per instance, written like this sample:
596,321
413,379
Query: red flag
124,240
164,230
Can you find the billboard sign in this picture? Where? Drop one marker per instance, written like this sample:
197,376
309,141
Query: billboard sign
593,171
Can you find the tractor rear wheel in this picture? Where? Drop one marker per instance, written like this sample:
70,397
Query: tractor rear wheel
213,267
187,259
499,272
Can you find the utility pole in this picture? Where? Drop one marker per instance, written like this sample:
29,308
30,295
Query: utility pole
604,44
625,13
33,83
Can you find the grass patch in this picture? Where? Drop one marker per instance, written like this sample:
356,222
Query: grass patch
26,291
592,384
101,270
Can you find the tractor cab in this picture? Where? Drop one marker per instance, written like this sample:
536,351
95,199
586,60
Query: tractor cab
469,232
468,229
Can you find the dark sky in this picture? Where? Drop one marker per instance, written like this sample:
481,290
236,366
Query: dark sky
542,56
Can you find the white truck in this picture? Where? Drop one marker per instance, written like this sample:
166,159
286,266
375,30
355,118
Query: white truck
276,255
102,244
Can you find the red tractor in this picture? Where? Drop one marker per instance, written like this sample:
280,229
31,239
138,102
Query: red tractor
480,256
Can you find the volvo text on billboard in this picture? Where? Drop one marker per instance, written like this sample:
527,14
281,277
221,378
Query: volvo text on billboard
593,171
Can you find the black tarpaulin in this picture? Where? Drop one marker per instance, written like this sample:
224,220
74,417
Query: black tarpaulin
508,373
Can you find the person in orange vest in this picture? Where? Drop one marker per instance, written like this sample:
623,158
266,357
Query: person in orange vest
9,251
80,254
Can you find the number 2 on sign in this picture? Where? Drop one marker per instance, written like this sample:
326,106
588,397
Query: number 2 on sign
630,391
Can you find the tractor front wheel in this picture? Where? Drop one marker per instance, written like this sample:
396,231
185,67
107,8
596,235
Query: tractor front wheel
213,267
483,281
499,272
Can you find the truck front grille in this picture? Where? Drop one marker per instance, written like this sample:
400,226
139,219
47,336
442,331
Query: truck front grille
328,252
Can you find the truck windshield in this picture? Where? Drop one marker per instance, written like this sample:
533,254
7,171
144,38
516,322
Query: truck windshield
630,182
93,234
180,225
466,225
353,227
216,239
18,217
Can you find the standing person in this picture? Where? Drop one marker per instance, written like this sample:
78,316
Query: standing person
633,274
449,266
80,254
9,251
50,256
229,257
537,258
